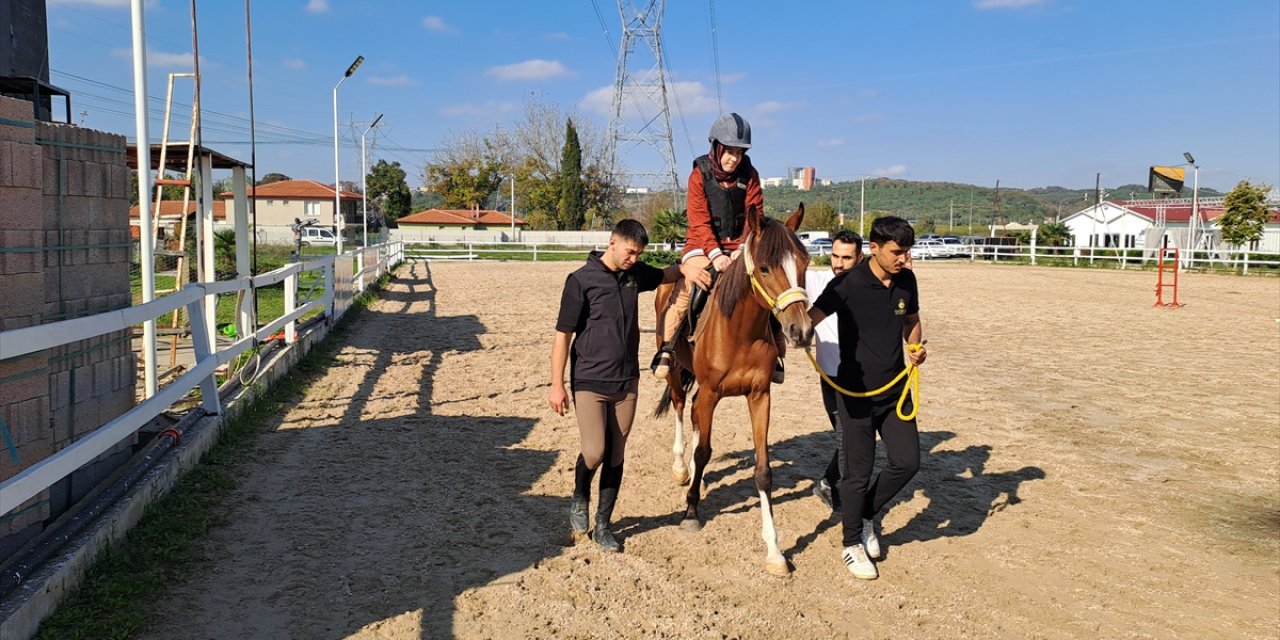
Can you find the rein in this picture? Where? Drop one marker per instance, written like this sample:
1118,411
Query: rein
785,299
912,387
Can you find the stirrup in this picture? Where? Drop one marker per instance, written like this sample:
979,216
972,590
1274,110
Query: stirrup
779,373
662,363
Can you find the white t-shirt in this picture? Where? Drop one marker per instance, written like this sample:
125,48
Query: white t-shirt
826,335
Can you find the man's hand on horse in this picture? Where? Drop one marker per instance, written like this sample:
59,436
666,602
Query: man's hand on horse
558,398
696,275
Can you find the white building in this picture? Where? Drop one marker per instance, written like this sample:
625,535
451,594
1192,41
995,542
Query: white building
1146,224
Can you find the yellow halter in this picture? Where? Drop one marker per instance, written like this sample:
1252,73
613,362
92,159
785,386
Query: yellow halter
786,299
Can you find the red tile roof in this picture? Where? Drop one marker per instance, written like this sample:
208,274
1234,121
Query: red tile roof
172,210
460,217
1181,212
295,189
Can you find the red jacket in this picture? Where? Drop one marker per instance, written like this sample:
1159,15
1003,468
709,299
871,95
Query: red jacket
700,239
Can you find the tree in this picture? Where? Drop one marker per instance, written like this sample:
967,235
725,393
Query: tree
273,177
387,188
820,216
669,226
465,171
1245,214
171,192
1053,234
572,211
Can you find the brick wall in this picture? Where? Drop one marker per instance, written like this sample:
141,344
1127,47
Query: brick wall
64,253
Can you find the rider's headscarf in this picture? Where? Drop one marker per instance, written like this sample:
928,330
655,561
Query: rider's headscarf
717,150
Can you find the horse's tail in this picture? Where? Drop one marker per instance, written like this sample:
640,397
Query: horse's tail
664,401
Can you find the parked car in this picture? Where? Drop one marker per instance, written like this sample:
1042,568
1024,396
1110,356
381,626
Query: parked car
318,236
954,247
819,246
928,248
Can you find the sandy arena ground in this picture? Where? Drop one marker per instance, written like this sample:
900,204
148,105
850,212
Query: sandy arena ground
1093,468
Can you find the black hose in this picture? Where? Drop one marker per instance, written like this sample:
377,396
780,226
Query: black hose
21,568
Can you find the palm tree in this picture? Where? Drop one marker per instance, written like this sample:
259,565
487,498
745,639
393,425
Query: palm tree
1053,234
670,226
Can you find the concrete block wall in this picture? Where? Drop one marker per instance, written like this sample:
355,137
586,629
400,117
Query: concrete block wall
64,253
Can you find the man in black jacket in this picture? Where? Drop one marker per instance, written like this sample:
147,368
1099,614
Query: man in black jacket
598,311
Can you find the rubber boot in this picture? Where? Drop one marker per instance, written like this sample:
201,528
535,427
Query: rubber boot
610,481
581,500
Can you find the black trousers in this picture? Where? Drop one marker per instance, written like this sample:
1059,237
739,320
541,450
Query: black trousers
835,468
860,420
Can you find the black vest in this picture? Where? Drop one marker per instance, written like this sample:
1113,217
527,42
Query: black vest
728,207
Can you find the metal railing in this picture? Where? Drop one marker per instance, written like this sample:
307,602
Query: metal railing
1122,258
363,266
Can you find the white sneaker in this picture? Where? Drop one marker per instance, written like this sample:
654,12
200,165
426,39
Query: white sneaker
869,540
856,560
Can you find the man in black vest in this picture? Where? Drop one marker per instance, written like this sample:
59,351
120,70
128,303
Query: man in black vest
598,312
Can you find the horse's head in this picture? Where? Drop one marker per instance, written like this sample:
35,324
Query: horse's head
776,262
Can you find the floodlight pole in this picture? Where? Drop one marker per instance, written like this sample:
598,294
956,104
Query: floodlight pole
364,189
147,235
337,184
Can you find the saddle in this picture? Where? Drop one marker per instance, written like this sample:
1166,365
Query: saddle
697,301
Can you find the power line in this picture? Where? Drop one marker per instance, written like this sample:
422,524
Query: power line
715,55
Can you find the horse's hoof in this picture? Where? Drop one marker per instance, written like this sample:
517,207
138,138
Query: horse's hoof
691,524
681,476
780,569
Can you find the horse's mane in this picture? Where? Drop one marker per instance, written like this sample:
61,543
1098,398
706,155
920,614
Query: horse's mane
776,244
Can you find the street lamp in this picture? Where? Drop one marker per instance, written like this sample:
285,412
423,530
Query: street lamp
1195,199
364,189
337,184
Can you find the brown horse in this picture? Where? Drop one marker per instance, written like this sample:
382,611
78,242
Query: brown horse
734,355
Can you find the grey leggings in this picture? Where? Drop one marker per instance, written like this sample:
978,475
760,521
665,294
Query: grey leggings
601,413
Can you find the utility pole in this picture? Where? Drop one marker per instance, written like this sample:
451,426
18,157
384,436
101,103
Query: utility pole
862,208
644,90
970,209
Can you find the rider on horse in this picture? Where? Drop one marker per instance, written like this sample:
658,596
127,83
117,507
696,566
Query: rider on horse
723,187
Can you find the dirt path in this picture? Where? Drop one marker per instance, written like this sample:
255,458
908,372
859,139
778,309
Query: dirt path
1093,467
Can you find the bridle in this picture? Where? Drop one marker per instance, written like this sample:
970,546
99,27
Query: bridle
785,299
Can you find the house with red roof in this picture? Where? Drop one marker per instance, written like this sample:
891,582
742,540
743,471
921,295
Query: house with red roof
278,204
1145,224
170,222
449,222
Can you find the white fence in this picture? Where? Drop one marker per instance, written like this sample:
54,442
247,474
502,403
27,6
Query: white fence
344,276
437,250
1217,259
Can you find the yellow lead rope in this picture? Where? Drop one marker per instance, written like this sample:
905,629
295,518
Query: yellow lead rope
912,387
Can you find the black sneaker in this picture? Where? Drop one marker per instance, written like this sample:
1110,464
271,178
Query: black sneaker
828,494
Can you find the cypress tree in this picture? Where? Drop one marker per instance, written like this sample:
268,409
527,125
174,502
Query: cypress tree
572,213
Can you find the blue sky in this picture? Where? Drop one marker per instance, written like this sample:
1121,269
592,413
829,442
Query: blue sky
1030,92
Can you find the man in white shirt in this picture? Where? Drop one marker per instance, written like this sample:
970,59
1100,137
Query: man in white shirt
846,251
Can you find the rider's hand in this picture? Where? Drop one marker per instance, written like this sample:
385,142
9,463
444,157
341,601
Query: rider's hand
558,398
721,262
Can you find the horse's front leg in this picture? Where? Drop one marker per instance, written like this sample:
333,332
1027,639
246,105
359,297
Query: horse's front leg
704,406
679,467
758,402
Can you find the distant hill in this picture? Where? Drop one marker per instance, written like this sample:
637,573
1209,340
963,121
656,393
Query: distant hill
950,203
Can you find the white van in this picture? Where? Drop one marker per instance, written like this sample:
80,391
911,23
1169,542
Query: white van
319,236
807,237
